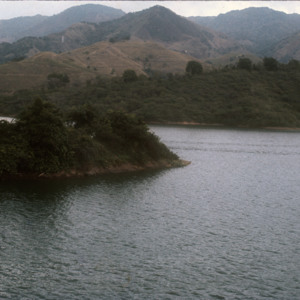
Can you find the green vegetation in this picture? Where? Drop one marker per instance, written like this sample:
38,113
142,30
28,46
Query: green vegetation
56,80
270,64
129,76
244,63
41,141
232,96
193,68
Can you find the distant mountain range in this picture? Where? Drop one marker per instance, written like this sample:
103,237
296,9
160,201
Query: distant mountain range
155,24
256,32
257,29
37,26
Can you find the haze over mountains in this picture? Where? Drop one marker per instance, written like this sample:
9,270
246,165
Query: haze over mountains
252,32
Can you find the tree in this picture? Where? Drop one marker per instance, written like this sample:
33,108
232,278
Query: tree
244,63
194,68
129,76
270,64
12,146
46,135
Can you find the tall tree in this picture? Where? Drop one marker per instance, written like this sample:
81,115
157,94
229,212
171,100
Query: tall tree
194,68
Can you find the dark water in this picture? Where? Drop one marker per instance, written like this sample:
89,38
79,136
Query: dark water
225,227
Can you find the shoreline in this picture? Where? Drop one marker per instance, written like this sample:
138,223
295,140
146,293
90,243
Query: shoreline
93,170
218,125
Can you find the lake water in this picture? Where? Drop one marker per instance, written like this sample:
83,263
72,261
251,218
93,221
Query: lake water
225,227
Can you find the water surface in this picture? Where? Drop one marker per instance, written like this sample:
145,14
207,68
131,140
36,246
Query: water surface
225,227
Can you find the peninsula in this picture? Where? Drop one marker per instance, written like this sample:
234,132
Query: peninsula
44,143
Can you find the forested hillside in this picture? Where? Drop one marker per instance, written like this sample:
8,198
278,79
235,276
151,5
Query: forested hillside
262,96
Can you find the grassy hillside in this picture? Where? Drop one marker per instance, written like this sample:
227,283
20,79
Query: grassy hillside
103,58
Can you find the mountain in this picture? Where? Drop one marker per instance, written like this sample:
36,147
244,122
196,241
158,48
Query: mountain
175,32
255,28
11,30
37,26
286,49
83,64
154,24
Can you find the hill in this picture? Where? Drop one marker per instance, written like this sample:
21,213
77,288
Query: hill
37,26
175,32
231,97
154,24
80,65
255,28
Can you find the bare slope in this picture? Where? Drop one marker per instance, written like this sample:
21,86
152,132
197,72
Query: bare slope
103,58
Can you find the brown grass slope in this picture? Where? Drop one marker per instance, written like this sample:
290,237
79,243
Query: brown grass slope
103,58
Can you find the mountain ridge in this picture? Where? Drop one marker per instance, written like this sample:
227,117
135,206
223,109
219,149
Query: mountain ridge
256,28
37,26
154,24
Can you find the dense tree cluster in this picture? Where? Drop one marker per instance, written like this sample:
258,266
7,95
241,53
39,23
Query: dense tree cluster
41,141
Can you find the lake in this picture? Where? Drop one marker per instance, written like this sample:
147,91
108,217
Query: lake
225,227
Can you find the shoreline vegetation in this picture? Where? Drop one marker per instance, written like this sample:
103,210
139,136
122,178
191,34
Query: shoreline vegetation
42,143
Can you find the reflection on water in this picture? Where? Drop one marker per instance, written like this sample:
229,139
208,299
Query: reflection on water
225,227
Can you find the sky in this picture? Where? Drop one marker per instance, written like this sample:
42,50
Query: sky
12,9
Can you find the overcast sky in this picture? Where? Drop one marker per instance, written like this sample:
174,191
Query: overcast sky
11,9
